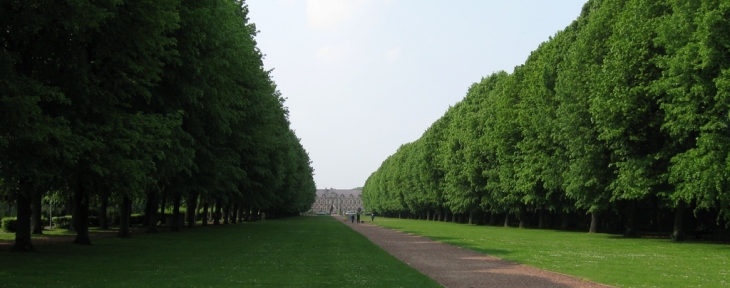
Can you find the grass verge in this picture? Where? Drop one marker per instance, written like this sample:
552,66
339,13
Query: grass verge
603,258
293,252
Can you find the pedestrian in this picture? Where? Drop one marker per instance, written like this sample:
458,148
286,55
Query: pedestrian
352,218
358,217
372,216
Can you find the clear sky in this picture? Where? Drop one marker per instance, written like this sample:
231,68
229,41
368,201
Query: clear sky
363,77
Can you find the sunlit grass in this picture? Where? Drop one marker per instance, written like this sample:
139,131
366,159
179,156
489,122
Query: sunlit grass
294,252
603,258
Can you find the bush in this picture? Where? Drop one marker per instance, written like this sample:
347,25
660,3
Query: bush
62,221
9,224
93,221
136,219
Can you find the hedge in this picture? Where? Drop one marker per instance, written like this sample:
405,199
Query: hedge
9,224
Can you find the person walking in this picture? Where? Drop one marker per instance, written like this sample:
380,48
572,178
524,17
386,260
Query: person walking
352,218
358,217
372,216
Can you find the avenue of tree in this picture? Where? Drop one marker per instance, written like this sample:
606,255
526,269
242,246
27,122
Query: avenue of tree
623,116
163,102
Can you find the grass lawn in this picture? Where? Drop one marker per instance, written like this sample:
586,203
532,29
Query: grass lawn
293,252
603,258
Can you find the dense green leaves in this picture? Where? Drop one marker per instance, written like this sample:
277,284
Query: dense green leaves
627,106
141,100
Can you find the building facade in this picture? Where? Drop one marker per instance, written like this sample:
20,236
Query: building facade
337,201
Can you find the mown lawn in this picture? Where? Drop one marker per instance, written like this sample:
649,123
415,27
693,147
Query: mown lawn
603,258
293,252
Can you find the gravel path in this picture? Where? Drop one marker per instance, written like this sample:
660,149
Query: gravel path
457,267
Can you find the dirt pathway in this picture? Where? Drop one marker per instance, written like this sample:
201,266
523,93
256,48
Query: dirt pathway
457,267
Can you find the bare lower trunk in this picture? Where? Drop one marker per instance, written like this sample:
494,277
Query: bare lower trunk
541,221
125,210
234,214
192,208
217,213
103,220
506,219
152,214
471,217
594,222
226,213
163,205
81,215
678,233
37,211
631,221
247,214
565,221
204,217
239,211
175,225
22,229
523,215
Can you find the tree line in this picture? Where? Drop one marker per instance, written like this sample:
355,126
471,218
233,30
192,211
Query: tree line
164,102
623,115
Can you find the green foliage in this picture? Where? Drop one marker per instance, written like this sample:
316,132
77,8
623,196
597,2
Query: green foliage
136,219
152,98
8,224
628,105
62,222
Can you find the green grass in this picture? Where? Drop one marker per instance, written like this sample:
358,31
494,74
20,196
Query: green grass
294,252
603,258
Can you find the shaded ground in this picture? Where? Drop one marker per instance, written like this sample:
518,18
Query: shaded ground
457,267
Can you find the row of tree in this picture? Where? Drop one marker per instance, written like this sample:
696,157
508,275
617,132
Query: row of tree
625,114
118,101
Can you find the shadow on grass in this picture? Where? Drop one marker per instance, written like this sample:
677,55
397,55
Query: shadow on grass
468,245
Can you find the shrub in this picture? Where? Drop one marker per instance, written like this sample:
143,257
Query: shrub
62,221
9,224
136,219
93,221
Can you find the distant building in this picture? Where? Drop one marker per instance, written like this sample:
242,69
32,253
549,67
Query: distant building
330,200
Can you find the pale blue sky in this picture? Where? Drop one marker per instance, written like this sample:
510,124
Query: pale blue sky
363,77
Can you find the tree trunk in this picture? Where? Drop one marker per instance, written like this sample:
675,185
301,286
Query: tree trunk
492,219
175,225
22,228
226,213
247,214
72,206
471,217
523,215
631,220
217,212
37,212
564,221
125,210
506,219
152,215
192,208
163,199
541,221
103,220
81,214
239,211
678,233
204,217
234,214
594,222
